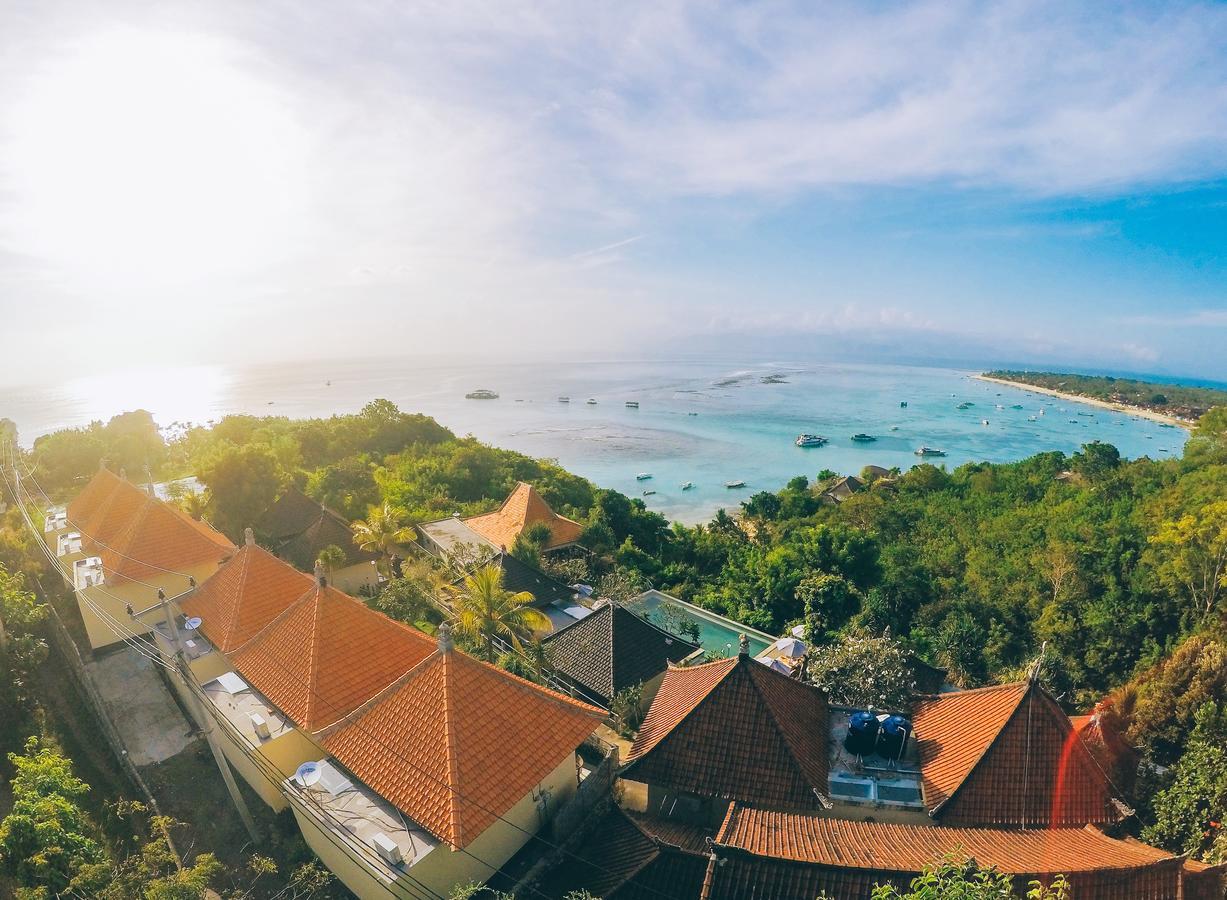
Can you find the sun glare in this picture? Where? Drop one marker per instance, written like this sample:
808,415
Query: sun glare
144,160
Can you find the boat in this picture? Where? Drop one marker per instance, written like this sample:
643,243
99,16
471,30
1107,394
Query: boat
689,414
999,406
643,476
984,421
1086,414
564,399
1032,418
632,404
734,484
592,401
648,493
894,428
688,486
966,405
810,440
1041,410
481,394
1165,425
903,404
861,438
929,451
1016,406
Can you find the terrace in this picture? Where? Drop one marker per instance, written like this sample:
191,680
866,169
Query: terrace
374,831
250,714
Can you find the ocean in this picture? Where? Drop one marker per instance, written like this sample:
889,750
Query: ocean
707,421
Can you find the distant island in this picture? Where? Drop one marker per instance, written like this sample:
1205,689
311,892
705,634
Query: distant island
1171,403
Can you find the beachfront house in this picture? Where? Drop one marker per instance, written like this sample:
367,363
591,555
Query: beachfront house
298,529
118,544
498,530
745,782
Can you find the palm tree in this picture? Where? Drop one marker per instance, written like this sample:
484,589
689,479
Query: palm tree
332,558
383,531
484,610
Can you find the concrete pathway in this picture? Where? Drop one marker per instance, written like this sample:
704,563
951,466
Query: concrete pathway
146,716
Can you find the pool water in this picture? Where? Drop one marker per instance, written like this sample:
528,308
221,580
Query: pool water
717,634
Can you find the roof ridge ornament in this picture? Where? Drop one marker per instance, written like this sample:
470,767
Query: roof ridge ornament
320,578
249,536
743,645
446,644
1033,671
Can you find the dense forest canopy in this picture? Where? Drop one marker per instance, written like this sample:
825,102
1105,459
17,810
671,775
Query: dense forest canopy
1114,568
1181,400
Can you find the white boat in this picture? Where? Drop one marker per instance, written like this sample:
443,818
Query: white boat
648,493
643,476
734,484
564,399
929,451
592,401
481,394
984,421
810,440
689,485
632,404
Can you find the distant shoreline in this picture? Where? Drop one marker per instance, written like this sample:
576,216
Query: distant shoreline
1102,404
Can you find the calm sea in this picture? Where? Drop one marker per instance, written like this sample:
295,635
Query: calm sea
707,422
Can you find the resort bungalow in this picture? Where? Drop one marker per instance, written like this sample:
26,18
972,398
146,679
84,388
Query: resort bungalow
613,649
299,529
790,797
498,530
118,545
441,777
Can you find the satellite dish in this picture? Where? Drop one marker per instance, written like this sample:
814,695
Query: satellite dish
192,624
308,774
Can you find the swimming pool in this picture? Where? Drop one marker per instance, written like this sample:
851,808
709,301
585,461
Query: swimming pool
716,633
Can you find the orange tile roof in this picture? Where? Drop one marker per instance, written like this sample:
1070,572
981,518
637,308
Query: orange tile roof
1008,755
250,590
159,538
890,846
326,654
954,730
738,730
524,507
456,743
105,507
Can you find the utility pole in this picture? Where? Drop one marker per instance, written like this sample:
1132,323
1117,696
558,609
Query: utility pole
204,720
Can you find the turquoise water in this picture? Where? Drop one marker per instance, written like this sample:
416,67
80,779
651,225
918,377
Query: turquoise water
702,421
716,634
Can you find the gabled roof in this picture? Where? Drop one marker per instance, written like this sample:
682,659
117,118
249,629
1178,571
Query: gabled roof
326,654
524,507
768,854
631,857
455,743
300,528
612,649
251,589
105,507
737,730
1007,755
158,538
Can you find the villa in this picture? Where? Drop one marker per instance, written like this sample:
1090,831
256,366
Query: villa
119,544
498,530
744,782
299,529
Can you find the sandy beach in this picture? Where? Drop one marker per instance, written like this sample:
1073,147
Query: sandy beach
1092,401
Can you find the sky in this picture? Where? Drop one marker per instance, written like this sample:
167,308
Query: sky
1032,183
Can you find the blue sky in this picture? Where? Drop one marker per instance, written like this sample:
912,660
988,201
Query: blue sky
1033,183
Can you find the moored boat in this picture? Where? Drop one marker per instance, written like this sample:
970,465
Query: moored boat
592,401
734,484
632,404
810,440
688,486
643,476
481,394
929,451
564,399
861,438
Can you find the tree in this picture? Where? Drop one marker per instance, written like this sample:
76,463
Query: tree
332,558
531,543
829,601
485,610
243,482
383,531
626,706
764,506
411,598
1193,554
1189,812
675,620
1095,460
864,672
46,840
953,879
22,648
